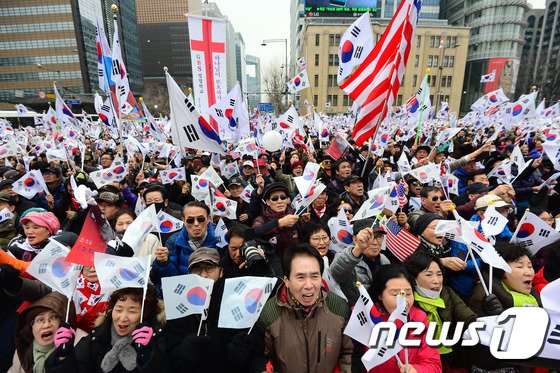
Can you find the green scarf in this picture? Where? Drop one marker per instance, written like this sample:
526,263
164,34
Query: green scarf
431,307
520,299
40,354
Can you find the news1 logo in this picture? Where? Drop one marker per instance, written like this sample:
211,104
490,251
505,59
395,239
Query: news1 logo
507,340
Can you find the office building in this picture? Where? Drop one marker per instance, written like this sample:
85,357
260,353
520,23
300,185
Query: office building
241,73
164,39
494,45
540,57
253,67
44,41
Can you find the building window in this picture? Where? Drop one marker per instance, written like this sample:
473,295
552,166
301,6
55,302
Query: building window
430,60
316,82
414,80
451,61
446,98
449,81
316,60
399,100
431,98
330,81
433,81
346,101
315,100
402,81
334,40
317,38
443,80
333,99
446,61
416,60
436,60
432,41
333,59
438,41
418,41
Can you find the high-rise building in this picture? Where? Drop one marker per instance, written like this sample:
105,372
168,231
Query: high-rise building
240,58
128,37
253,64
494,45
164,39
540,57
435,45
44,41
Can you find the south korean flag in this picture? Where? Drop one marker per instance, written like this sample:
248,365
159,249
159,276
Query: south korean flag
355,45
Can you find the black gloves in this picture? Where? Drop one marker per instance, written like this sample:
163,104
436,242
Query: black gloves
240,348
491,305
193,346
9,279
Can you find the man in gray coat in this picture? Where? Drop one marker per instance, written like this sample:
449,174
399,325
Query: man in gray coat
359,261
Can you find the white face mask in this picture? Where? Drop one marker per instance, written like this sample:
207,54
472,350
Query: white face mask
427,293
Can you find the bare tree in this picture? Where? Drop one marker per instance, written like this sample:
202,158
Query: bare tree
274,85
156,94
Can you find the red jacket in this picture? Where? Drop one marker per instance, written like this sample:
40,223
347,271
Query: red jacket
424,359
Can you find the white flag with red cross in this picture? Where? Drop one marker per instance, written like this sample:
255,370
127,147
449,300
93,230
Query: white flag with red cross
208,58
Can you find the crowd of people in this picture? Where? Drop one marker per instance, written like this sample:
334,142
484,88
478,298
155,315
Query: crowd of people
301,327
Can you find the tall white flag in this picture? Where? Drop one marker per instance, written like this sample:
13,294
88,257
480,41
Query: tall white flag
189,128
186,295
243,300
308,178
488,78
231,115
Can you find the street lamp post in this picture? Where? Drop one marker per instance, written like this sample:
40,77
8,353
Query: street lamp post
285,41
58,78
443,47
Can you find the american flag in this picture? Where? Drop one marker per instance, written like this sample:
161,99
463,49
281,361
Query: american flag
401,195
375,82
400,242
411,101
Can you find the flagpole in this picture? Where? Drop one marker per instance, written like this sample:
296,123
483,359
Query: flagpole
372,138
145,288
422,108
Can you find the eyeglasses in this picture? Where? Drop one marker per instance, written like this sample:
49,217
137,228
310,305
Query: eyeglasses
378,237
200,219
276,198
319,239
42,320
348,211
208,269
415,183
441,198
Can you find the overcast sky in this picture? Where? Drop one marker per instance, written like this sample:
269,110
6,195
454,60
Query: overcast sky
269,19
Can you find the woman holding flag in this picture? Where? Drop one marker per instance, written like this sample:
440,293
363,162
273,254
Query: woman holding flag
440,302
389,281
120,342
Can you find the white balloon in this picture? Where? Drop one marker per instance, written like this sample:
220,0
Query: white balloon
272,141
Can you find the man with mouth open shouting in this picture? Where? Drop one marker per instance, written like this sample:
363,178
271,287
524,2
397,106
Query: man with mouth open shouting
300,329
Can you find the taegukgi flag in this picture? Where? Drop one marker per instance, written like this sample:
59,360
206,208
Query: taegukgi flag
186,295
117,272
299,82
51,268
243,300
167,223
173,174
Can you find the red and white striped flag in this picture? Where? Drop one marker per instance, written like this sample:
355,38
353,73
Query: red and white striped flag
375,82
400,242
